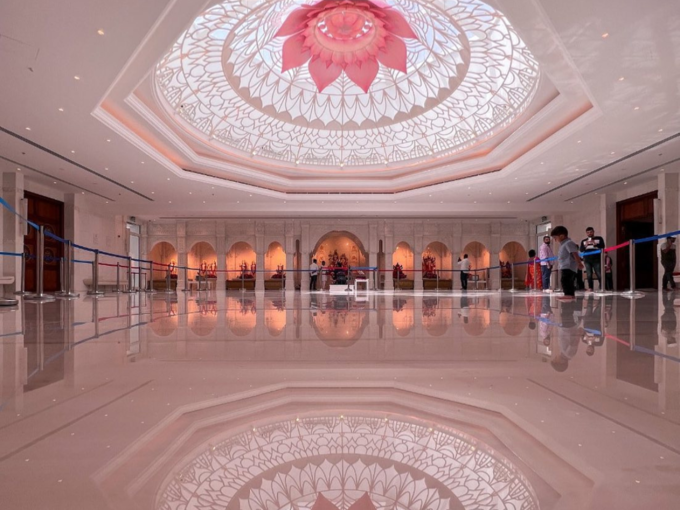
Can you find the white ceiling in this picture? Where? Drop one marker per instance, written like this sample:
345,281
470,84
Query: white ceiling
108,149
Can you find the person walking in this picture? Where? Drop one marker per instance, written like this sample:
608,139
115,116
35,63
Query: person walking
464,271
592,244
314,273
533,281
668,261
544,253
568,261
324,275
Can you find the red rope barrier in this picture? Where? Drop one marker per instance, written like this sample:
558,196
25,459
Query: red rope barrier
617,247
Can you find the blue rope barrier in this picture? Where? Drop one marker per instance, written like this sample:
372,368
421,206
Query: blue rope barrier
82,261
10,254
85,248
55,237
656,238
11,209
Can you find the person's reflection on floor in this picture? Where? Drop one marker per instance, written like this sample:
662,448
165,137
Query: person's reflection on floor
567,337
464,311
669,321
592,333
545,324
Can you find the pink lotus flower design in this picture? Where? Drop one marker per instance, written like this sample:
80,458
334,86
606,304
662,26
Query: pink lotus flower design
345,35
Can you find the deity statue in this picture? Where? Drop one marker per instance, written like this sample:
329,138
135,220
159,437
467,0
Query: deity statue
429,266
212,270
279,274
398,272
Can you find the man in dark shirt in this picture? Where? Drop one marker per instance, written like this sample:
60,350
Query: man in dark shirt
668,261
591,244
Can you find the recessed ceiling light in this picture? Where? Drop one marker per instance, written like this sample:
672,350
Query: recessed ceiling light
663,169
107,201
508,201
549,182
441,202
490,193
168,178
100,31
55,182
636,108
622,78
73,152
190,193
430,195
578,141
612,153
660,130
76,77
526,193
153,192
542,163
169,201
475,202
82,192
132,182
61,109
142,162
19,169
250,195
108,139
28,128
204,201
605,35
625,182
106,168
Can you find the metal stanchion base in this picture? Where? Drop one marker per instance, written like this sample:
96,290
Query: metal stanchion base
23,293
632,294
149,291
95,293
116,291
67,295
39,298
513,291
8,302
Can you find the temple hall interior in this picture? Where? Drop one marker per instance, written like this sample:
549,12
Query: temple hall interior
339,255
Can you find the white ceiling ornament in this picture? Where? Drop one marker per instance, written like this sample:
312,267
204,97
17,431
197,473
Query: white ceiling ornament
397,464
468,76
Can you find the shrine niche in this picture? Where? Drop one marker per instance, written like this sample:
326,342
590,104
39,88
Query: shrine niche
202,259
402,266
512,252
164,253
340,247
437,264
275,267
241,315
338,324
480,258
241,267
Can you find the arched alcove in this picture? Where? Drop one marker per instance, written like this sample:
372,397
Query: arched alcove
403,275
241,266
275,266
437,264
513,252
203,256
480,258
340,246
163,253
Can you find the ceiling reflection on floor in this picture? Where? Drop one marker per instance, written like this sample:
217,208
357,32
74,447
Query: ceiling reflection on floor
195,400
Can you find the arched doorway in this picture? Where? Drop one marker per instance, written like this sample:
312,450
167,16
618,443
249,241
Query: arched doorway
437,267
402,266
480,259
339,247
274,267
241,266
512,253
203,256
163,254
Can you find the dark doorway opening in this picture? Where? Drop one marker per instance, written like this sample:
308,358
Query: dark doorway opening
50,213
635,220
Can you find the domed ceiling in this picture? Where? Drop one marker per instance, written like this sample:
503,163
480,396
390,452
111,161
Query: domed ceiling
346,84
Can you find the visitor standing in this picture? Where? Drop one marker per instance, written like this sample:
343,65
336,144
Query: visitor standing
533,280
568,261
668,261
464,266
592,244
544,254
314,273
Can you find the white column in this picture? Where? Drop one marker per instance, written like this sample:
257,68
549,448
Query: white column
304,263
259,254
418,258
290,257
388,246
495,248
221,249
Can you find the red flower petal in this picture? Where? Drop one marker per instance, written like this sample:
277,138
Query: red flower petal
363,503
323,74
295,22
363,75
393,55
295,53
397,24
322,503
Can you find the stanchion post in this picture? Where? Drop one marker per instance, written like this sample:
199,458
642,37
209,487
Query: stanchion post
117,291
68,272
139,276
168,281
22,283
129,289
186,280
632,293
512,276
40,295
95,276
150,289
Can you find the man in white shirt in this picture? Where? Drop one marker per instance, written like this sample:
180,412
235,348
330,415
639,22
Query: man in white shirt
464,270
314,273
544,253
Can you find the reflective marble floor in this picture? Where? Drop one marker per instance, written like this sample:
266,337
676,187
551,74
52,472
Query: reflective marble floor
254,401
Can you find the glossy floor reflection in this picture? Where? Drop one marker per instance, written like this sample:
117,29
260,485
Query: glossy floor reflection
274,400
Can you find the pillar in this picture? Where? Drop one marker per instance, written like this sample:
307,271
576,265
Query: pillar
494,249
388,246
289,246
182,258
456,250
418,257
221,249
304,250
12,227
259,255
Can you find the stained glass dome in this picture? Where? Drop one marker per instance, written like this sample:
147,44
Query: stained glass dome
468,75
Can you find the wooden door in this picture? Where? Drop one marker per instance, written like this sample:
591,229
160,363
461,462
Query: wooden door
50,213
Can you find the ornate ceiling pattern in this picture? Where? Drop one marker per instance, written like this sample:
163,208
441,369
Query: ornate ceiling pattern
468,75
397,464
